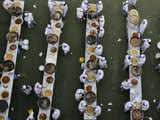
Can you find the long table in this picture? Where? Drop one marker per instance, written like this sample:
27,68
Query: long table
93,83
9,86
131,28
50,58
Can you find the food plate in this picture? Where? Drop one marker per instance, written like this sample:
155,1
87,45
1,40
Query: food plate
90,110
158,45
135,42
5,95
47,93
5,79
14,28
17,4
136,70
9,56
91,49
89,88
92,8
134,52
12,47
134,61
42,116
91,76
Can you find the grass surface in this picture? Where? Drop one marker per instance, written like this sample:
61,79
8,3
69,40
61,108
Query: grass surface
68,68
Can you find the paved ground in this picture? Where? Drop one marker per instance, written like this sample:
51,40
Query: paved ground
68,68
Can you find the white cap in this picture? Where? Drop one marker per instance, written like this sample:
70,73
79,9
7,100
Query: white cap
24,87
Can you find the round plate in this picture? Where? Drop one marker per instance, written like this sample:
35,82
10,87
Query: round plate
47,93
158,45
134,61
5,79
90,110
134,52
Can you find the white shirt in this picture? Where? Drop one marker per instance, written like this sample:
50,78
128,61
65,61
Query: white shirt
97,111
127,60
7,4
145,46
31,116
101,21
56,114
84,5
29,17
82,105
38,88
126,84
79,94
83,78
65,10
125,7
99,50
128,105
142,59
48,30
99,75
102,62
145,105
99,6
65,48
143,26
101,32
50,4
80,13
132,2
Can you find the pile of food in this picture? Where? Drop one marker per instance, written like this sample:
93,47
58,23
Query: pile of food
53,50
52,38
5,94
134,82
90,110
57,15
44,103
136,70
91,49
89,88
8,66
19,21
5,79
12,47
135,42
50,68
42,116
90,97
47,93
9,56
49,79
134,52
137,114
134,17
91,76
12,36
134,61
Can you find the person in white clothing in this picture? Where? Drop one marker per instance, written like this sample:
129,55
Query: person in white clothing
102,62
126,84
82,106
125,8
50,5
101,21
28,18
79,94
83,77
101,32
84,5
56,114
146,44
65,48
38,89
65,10
31,116
99,75
27,89
142,59
99,50
99,6
143,26
80,14
145,105
48,29
132,2
127,61
97,110
128,106
7,4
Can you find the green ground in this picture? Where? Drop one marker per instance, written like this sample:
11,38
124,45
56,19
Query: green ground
68,68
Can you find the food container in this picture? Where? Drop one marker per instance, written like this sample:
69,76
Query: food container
42,116
5,79
90,97
49,79
134,52
135,42
57,15
91,49
136,70
134,61
5,95
90,110
47,93
50,68
12,47
19,21
89,88
53,50
12,36
9,56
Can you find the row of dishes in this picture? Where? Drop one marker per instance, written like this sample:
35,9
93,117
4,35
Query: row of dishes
8,66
